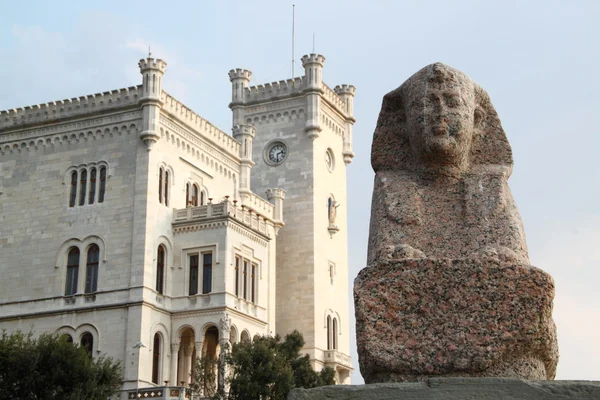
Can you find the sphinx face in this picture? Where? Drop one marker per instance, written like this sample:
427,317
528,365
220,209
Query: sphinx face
440,117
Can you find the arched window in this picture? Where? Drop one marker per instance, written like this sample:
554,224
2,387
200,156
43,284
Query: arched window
334,334
72,271
83,188
156,357
92,186
160,184
328,332
91,272
207,273
245,338
202,198
167,188
195,195
187,194
160,269
73,195
87,342
102,184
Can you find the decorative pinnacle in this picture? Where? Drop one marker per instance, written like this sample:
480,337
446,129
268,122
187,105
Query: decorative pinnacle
151,63
240,73
313,59
239,130
345,89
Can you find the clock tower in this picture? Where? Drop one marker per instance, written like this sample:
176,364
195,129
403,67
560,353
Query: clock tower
303,143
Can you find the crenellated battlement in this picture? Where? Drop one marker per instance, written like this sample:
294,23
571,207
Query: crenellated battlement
151,63
334,99
344,90
55,110
274,89
195,121
240,73
243,130
313,59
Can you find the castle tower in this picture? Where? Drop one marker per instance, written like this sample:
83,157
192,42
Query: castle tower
152,72
240,78
303,143
245,135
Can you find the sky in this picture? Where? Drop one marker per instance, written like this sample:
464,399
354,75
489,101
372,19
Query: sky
538,60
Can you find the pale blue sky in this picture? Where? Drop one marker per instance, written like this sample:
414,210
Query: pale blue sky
538,60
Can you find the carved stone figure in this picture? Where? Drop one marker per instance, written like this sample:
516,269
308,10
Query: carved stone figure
225,326
448,290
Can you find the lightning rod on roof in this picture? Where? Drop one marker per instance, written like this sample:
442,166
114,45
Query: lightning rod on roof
293,27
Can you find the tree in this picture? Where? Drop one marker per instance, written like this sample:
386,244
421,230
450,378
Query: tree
50,367
266,369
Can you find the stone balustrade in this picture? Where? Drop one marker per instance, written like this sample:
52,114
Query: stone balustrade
161,393
334,356
244,214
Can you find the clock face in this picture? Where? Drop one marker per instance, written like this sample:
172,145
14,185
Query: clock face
277,153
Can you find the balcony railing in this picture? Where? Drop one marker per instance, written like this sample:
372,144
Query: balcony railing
162,393
334,356
242,214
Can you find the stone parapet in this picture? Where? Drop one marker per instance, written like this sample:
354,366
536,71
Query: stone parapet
255,216
186,115
75,107
457,389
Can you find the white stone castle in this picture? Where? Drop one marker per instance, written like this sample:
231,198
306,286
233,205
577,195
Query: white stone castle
131,224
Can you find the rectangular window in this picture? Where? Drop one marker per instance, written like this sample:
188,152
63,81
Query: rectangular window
193,274
207,273
245,281
237,276
253,283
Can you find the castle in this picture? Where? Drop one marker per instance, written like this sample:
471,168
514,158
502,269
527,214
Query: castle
138,229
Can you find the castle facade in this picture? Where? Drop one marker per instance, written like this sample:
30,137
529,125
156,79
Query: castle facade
138,229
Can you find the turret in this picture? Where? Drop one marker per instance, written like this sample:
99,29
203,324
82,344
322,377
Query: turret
346,92
245,135
313,70
313,79
152,72
276,197
240,79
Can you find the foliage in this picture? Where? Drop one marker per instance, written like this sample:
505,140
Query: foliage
265,369
205,376
50,367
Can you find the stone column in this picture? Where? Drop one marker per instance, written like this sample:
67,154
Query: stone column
174,359
187,364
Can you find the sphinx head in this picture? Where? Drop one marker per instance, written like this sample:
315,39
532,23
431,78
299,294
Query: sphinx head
438,120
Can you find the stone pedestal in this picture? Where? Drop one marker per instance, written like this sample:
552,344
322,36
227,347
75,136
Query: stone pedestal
422,318
457,389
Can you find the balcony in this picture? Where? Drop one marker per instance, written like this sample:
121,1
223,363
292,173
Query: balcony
161,393
226,208
334,358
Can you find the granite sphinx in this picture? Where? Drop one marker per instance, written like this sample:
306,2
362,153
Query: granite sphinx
448,289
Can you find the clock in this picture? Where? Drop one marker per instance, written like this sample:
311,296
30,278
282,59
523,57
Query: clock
276,153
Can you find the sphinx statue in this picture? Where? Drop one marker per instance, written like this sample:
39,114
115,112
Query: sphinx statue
448,289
